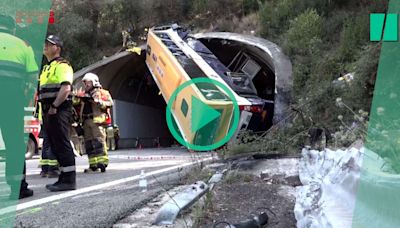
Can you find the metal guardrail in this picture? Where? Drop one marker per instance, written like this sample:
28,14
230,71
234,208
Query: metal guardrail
170,210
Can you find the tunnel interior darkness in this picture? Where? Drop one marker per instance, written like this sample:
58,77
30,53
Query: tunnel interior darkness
130,83
129,80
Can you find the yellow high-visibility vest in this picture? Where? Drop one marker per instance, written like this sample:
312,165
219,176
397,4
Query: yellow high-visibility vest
53,75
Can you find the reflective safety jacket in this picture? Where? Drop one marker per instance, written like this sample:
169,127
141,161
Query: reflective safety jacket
99,102
17,59
55,74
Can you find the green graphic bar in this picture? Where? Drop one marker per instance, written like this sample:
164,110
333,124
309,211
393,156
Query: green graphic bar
376,26
391,28
23,26
378,194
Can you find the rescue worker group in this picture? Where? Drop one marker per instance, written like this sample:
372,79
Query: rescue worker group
88,107
61,108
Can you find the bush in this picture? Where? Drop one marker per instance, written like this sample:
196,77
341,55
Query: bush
250,6
242,25
328,68
325,40
301,73
332,27
304,34
358,93
229,7
75,31
303,42
353,36
200,6
275,17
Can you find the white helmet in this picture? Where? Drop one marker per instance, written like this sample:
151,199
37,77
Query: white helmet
93,78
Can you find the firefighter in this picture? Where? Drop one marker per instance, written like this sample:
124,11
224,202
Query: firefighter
127,40
116,136
94,111
110,132
17,66
56,99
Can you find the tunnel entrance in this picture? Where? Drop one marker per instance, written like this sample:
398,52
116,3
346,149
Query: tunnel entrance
139,109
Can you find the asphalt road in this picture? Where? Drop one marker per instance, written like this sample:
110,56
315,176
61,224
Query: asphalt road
103,198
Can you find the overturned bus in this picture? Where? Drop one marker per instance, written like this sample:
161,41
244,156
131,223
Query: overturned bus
256,71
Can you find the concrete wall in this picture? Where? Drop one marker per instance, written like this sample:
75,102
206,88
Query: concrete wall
139,121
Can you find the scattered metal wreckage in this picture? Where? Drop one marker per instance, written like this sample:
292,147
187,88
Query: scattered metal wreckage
183,200
256,221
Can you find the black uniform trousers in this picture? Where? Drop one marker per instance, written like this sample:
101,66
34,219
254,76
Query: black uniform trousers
57,127
47,154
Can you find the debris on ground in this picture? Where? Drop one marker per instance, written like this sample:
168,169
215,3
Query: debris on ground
252,191
146,216
254,187
181,201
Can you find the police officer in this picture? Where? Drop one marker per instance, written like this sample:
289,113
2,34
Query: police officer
17,66
95,105
55,96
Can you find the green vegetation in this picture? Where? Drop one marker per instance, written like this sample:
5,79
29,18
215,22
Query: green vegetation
92,29
235,176
200,210
324,40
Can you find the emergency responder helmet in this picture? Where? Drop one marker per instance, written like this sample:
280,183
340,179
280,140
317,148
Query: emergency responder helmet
93,78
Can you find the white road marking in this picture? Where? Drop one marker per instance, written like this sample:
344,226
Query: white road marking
119,166
156,157
49,199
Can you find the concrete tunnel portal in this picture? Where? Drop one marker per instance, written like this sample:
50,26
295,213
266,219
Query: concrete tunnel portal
139,110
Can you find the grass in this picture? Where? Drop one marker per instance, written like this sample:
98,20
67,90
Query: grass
236,177
200,210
